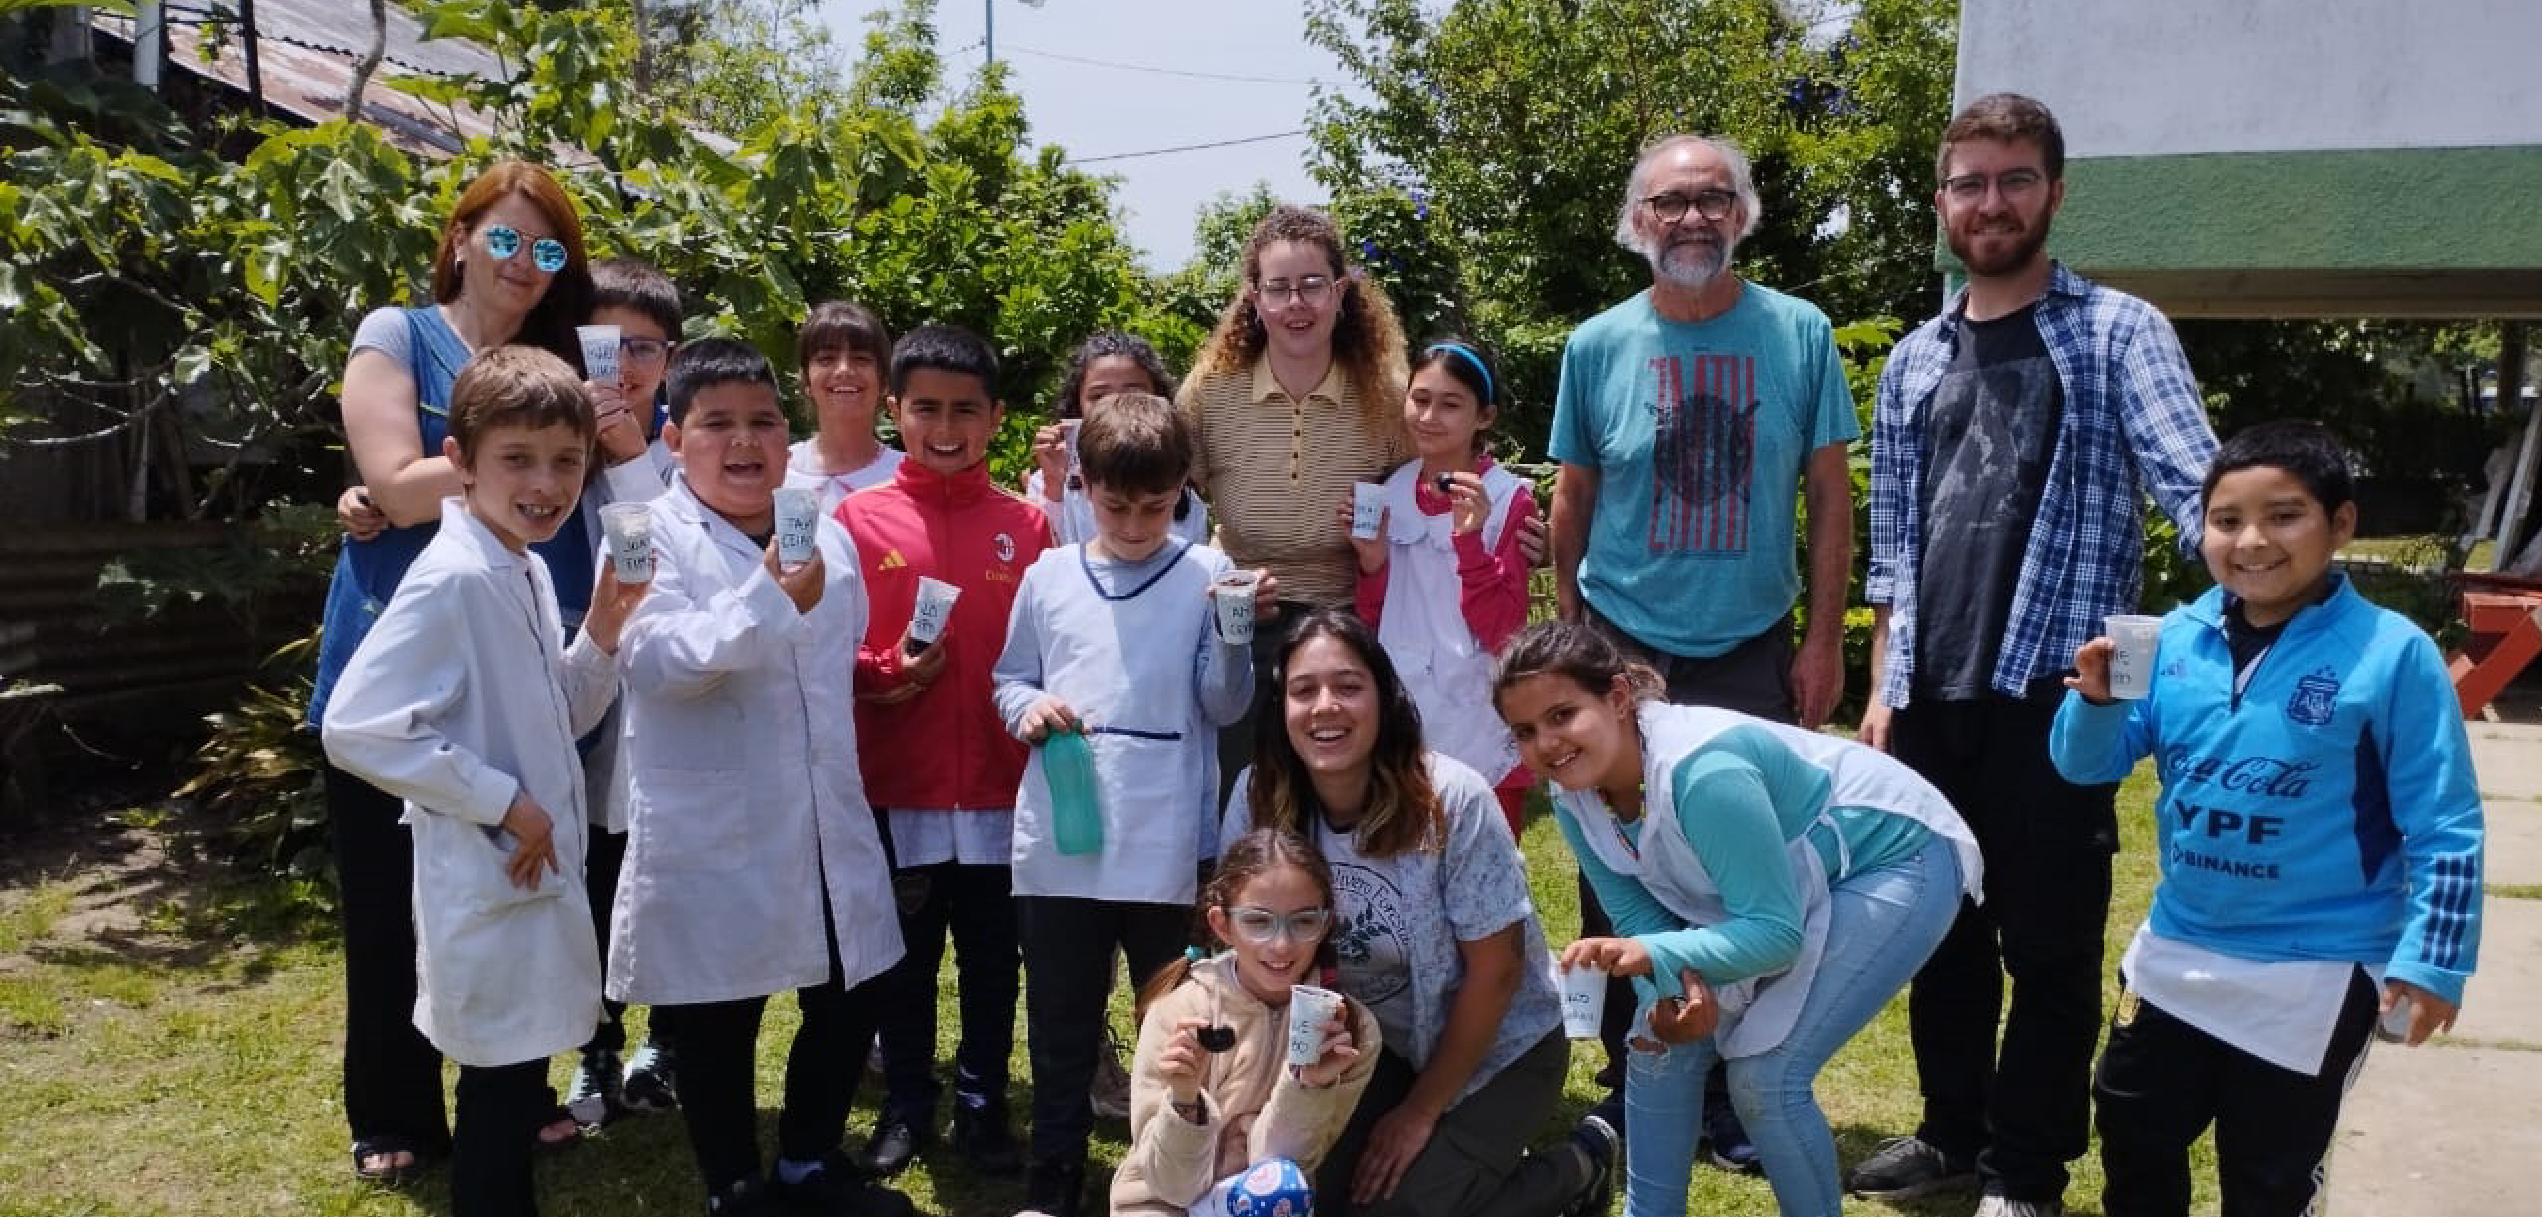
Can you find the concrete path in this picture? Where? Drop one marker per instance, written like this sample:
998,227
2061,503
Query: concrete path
2455,1126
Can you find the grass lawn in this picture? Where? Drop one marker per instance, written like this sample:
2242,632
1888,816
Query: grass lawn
160,1061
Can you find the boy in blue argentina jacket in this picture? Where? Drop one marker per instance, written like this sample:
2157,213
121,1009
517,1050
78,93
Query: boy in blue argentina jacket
2321,841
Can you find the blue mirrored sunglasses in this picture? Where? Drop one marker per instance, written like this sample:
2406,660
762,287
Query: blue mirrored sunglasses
546,253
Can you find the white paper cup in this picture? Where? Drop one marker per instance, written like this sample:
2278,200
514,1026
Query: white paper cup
600,351
629,527
1231,596
1367,510
1309,1009
798,514
1583,1000
2132,664
2393,1026
935,608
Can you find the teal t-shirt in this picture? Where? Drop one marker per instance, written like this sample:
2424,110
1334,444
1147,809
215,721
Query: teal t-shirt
1698,433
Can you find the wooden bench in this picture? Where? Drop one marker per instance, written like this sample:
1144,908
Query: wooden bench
2505,618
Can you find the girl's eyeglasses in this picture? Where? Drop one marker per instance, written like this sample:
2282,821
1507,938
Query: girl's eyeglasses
503,241
1261,926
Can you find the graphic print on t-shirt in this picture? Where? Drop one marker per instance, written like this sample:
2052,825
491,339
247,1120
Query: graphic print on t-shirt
1703,454
1371,948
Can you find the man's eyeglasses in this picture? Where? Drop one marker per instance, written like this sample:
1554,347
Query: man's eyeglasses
1261,926
503,241
1308,290
2011,183
643,350
1710,204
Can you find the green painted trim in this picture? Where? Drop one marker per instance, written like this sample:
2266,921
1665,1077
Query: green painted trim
2403,209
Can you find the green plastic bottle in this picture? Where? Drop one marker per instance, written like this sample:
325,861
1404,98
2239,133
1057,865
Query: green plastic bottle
1076,804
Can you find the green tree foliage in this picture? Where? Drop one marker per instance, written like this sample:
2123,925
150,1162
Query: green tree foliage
1509,126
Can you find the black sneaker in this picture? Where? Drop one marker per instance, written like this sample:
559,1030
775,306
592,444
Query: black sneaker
1603,1147
838,1189
1904,1167
896,1142
652,1079
981,1136
743,1198
594,1099
1725,1140
1056,1188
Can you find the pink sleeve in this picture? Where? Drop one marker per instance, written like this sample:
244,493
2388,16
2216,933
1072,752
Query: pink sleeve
1495,599
1370,597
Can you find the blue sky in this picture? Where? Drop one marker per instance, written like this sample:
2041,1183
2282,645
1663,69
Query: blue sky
1094,110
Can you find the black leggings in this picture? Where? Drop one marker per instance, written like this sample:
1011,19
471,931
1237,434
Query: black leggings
392,1074
500,1110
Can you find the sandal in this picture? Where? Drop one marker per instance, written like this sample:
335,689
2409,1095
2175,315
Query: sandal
557,1128
388,1172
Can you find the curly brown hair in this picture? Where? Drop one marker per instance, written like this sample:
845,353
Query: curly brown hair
1367,339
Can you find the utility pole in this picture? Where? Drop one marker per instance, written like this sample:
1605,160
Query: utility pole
988,19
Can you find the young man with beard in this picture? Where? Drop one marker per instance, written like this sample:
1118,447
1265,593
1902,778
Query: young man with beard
1688,419
2015,439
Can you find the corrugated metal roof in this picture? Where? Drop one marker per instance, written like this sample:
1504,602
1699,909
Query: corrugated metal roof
307,52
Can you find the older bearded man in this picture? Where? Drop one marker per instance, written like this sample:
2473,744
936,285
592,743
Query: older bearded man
1689,420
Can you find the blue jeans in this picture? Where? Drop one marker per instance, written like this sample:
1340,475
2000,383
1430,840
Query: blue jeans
1881,926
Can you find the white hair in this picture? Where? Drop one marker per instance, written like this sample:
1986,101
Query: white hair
1742,183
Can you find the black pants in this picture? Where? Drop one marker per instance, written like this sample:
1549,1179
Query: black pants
1754,677
2163,1081
719,1050
1068,945
2024,1111
975,905
1235,740
392,1074
500,1109
606,855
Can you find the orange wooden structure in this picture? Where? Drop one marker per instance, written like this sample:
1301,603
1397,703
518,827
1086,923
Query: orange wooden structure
2505,616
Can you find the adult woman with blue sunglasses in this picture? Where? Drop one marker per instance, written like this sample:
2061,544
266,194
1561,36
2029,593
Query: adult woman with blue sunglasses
509,269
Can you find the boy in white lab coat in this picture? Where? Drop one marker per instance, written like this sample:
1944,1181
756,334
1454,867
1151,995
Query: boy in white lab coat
1112,640
464,701
752,865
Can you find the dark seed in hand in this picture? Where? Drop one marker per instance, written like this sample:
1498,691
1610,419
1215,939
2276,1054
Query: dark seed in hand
1217,1039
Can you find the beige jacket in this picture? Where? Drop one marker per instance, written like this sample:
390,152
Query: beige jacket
1255,1109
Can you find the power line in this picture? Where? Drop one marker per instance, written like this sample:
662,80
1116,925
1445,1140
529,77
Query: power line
1224,143
1141,67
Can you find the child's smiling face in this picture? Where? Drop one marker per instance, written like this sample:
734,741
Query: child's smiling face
946,419
521,481
2269,542
1261,922
731,446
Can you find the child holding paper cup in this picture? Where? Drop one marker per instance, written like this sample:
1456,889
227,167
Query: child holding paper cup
945,771
1114,641
1443,580
2321,838
753,865
1217,1094
1108,363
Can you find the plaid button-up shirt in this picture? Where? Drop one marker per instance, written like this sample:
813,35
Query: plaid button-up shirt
2132,423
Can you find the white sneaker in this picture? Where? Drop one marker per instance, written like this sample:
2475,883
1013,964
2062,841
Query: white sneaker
1997,1204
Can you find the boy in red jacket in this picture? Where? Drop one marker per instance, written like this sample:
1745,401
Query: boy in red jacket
940,768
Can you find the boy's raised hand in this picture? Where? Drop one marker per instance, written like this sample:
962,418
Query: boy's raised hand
1178,1063
2092,671
2429,1013
1338,1052
621,433
612,602
802,584
533,840
1045,716
921,669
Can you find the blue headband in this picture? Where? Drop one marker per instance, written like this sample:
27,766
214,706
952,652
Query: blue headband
1461,351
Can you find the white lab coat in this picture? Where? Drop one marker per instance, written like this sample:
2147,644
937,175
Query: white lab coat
744,796
462,695
641,480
